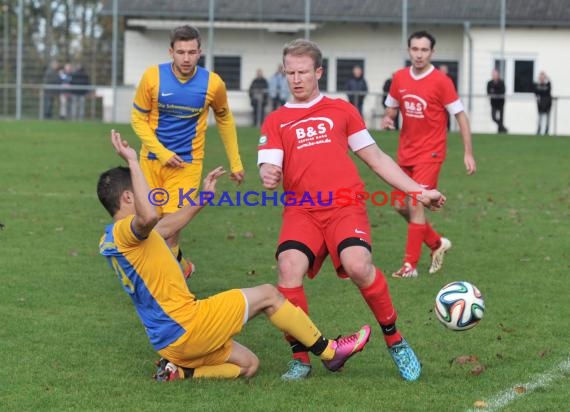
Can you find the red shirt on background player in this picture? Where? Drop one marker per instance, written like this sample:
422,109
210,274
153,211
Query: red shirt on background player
304,145
424,95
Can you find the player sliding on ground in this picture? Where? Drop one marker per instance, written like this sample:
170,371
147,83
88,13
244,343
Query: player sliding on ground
193,337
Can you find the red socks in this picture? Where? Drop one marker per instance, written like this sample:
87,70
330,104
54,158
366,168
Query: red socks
377,296
414,243
431,238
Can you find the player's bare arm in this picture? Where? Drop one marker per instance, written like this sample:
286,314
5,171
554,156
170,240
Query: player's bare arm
173,222
465,131
388,119
270,175
145,214
389,171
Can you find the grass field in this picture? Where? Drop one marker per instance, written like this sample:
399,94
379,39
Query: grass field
70,338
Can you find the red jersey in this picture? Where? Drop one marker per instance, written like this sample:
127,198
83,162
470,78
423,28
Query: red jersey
423,101
310,141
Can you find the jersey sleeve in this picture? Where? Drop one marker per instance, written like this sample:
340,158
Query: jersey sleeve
124,233
356,132
392,99
142,105
270,146
226,123
450,99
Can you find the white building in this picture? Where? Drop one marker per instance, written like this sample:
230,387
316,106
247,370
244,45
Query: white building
248,35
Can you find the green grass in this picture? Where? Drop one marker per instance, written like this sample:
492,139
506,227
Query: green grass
70,339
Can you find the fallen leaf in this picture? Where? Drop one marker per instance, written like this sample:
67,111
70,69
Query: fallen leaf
519,389
480,404
543,353
231,236
464,359
73,253
248,235
506,329
477,370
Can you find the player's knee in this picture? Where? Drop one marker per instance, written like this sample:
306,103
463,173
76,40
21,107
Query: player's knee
360,272
289,273
270,292
357,268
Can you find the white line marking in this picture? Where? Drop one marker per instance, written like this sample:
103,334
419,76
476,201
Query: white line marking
543,380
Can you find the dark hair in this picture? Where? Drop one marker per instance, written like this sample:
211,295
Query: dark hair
302,47
185,33
111,186
421,34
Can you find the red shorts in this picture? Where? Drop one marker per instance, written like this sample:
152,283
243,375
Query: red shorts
324,232
425,174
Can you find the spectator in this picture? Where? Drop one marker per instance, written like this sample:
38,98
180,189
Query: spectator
357,88
258,96
386,89
51,78
79,78
65,95
496,91
542,90
278,88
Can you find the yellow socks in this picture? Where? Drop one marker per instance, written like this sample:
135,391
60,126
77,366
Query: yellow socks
292,320
223,371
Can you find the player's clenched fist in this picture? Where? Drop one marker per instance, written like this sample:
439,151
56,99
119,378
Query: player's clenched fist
270,175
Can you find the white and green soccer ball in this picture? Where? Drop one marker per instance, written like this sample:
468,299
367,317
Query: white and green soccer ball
459,305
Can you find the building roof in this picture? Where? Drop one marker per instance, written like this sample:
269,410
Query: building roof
527,13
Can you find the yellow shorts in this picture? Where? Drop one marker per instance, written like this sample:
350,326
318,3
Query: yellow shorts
209,340
177,182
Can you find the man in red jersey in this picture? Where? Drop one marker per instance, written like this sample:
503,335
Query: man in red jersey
304,145
424,94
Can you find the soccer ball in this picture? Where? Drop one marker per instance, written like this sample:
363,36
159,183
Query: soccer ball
459,305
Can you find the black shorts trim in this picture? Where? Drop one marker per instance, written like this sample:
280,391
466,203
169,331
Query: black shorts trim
296,245
352,241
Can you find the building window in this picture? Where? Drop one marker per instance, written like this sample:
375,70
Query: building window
323,81
524,71
518,74
229,69
344,71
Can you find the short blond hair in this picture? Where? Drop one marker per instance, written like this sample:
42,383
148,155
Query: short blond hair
303,47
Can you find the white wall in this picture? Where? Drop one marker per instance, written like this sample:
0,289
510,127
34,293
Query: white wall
381,48
544,46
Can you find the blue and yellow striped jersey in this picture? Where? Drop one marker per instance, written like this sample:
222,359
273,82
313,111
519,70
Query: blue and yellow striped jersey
170,116
152,277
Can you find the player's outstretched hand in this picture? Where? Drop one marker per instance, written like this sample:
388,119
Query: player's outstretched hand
212,178
270,175
238,177
122,147
432,199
